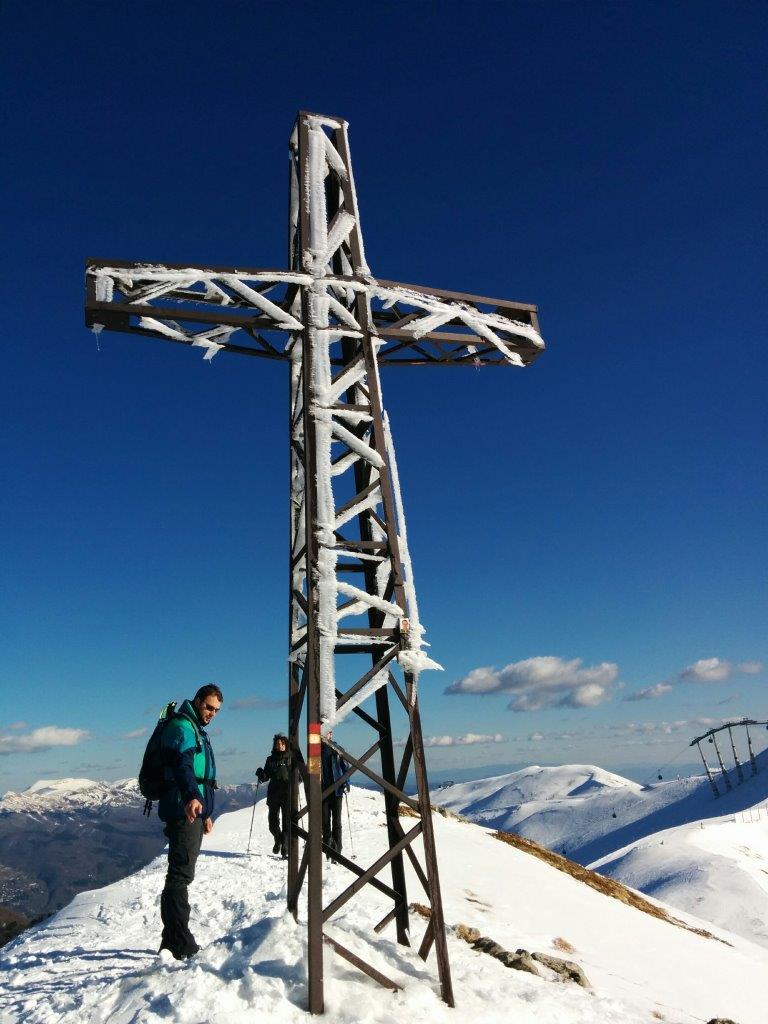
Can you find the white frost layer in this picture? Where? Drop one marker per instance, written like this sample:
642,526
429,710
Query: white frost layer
326,560
415,662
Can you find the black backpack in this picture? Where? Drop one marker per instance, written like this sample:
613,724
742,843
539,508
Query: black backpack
151,774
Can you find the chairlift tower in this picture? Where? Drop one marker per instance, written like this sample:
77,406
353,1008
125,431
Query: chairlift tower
355,634
711,736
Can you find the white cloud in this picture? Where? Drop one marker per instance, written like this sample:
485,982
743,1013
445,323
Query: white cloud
134,734
707,670
44,738
750,668
468,740
543,682
650,692
666,728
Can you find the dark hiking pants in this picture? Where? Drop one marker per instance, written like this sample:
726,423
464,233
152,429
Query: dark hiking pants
184,841
277,818
332,821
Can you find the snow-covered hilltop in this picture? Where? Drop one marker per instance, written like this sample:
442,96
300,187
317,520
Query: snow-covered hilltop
62,795
671,840
96,960
505,801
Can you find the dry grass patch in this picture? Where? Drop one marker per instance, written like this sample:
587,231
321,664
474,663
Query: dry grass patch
406,811
607,886
563,945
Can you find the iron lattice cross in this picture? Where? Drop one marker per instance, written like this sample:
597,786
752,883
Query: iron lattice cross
355,632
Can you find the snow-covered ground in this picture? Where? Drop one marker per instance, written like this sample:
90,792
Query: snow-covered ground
717,870
96,961
671,840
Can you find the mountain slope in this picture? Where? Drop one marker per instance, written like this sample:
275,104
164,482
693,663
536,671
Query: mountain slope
60,837
672,840
717,870
599,814
95,962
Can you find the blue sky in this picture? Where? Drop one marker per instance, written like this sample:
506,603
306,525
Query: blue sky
603,509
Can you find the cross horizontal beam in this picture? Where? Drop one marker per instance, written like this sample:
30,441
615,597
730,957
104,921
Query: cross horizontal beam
248,312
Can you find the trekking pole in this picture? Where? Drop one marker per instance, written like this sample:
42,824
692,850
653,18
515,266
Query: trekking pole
253,815
349,825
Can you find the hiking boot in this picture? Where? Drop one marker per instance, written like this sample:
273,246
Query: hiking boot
276,847
180,954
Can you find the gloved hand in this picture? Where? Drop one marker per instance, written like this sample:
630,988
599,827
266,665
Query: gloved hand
260,774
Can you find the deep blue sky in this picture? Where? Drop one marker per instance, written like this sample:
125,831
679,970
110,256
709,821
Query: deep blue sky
606,161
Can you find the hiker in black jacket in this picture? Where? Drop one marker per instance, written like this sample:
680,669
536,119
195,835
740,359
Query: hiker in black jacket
277,769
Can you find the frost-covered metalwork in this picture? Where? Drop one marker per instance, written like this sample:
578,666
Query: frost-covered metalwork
356,637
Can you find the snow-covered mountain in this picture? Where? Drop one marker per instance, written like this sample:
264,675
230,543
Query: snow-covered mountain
96,962
71,795
671,840
62,836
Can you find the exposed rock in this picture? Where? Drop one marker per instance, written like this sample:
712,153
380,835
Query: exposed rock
489,946
568,970
522,961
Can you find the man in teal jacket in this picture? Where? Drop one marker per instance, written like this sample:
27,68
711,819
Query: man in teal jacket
186,807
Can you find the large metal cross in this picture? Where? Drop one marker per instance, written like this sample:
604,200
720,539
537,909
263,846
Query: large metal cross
355,631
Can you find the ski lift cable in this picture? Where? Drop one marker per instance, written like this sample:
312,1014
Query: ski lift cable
663,767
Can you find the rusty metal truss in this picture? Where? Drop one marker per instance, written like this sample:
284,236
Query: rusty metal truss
355,635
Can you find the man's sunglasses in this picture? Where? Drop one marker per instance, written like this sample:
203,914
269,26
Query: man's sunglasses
211,708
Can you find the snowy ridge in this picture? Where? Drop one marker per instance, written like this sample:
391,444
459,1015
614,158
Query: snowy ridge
70,795
96,960
671,840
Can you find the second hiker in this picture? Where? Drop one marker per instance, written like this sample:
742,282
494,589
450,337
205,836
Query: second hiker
277,769
333,767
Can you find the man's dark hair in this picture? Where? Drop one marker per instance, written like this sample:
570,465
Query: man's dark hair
207,690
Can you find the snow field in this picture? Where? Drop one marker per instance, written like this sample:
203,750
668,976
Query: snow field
96,961
671,840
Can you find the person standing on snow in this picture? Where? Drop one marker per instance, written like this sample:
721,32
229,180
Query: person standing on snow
186,807
277,769
333,767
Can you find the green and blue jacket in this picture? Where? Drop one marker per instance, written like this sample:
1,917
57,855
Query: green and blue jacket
189,765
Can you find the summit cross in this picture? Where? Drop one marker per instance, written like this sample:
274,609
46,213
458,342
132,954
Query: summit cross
349,642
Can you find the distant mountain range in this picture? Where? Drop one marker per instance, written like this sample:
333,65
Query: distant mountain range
60,837
670,840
